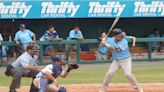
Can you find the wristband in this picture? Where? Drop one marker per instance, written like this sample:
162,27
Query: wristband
106,44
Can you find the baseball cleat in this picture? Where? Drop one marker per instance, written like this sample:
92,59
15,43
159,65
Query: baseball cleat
140,90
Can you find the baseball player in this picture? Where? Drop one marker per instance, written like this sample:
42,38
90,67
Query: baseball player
74,34
24,37
121,59
50,35
102,50
46,80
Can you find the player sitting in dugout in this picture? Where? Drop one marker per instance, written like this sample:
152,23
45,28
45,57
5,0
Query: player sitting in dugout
50,35
74,34
23,38
102,50
46,80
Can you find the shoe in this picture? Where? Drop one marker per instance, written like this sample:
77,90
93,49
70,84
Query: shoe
140,90
12,90
101,90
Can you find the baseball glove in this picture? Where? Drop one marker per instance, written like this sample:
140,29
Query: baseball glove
72,66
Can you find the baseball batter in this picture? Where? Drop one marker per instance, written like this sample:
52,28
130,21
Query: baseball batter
46,80
121,59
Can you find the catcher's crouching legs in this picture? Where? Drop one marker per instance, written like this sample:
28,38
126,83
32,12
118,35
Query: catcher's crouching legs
53,88
40,83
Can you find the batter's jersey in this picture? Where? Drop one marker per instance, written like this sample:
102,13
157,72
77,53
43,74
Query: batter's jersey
120,49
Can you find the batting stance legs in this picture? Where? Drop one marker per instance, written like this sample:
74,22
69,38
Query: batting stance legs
125,64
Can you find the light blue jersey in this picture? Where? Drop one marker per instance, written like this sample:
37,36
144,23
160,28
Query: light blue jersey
120,49
73,34
154,44
1,38
103,50
25,37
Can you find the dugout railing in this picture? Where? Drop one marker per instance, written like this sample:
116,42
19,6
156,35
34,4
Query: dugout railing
92,41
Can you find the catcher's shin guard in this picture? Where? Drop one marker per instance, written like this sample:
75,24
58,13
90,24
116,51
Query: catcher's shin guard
43,84
62,89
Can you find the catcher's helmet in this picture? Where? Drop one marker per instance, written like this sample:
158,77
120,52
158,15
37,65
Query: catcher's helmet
22,26
116,32
57,58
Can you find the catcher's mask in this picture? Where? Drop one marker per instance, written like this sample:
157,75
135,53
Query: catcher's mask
58,58
34,47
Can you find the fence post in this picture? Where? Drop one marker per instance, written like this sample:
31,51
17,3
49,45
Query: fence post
149,51
41,53
78,53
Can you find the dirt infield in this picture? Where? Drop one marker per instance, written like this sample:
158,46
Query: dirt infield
148,87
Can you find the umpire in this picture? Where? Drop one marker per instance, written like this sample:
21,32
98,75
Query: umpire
25,65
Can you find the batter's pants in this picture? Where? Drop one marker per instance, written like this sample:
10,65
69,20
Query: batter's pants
126,65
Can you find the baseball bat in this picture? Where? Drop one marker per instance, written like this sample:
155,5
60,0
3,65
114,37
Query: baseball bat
111,28
113,25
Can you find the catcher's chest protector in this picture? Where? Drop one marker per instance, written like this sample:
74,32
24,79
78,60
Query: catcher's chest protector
56,71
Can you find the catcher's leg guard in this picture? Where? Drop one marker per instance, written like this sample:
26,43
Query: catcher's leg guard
43,84
62,89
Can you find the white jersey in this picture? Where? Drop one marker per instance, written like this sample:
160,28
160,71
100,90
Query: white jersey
48,68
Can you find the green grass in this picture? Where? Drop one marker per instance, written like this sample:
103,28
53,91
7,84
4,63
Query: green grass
90,74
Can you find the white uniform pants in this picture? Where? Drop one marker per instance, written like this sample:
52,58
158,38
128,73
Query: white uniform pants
126,65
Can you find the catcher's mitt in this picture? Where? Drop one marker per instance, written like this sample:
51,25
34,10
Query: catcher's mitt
72,66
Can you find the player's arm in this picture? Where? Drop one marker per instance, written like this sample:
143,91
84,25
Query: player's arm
33,67
133,41
65,74
81,36
16,39
1,38
50,77
34,38
57,37
32,35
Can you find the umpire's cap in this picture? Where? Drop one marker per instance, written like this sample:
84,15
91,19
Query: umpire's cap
22,25
117,32
57,58
30,47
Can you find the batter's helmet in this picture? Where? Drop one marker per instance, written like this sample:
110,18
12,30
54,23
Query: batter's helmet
116,32
22,26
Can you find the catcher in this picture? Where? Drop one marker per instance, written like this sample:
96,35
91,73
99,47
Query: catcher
46,80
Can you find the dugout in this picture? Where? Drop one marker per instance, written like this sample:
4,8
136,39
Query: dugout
91,27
